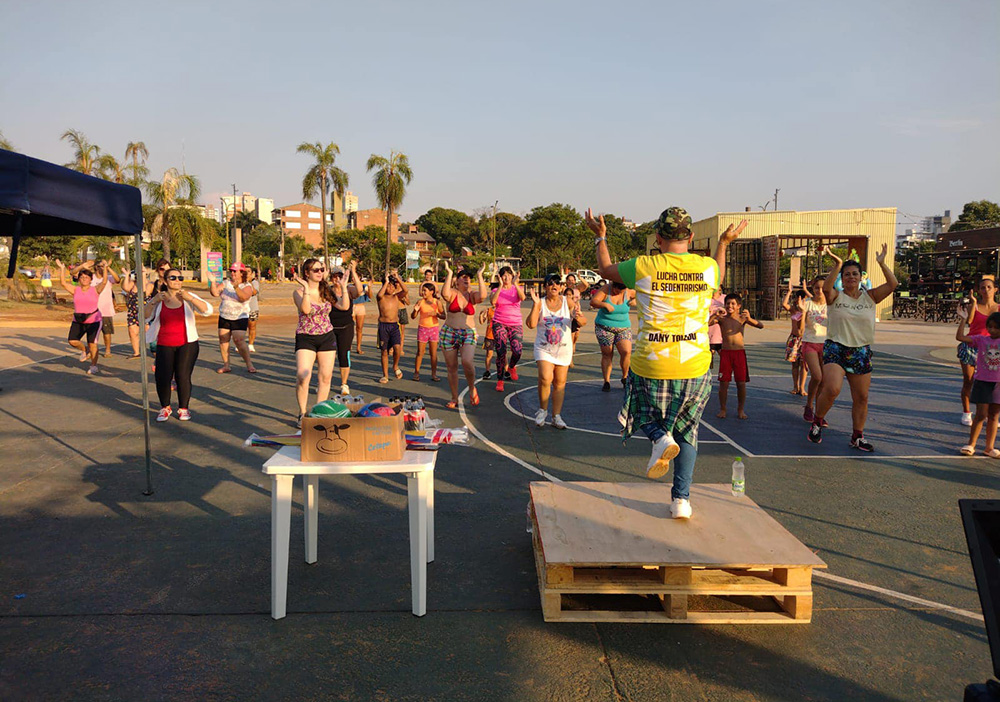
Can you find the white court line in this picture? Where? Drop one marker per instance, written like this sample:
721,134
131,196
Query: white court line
930,604
860,456
31,363
729,440
954,366
898,595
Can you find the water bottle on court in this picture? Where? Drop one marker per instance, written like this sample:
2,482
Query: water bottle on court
739,478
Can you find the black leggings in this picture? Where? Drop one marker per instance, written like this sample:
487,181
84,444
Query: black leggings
345,337
175,362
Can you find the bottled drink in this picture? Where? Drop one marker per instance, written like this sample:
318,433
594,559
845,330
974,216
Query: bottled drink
739,478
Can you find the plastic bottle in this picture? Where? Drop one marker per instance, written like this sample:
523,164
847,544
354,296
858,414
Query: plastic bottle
739,478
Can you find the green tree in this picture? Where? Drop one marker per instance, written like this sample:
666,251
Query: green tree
5,144
642,234
556,235
109,168
321,177
390,179
452,228
50,247
137,153
175,188
262,240
297,250
977,214
247,222
86,156
188,230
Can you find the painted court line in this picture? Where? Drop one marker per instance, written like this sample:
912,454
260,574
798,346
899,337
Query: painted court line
822,575
31,363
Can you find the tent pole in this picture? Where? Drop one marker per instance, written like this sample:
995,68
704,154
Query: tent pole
15,242
141,295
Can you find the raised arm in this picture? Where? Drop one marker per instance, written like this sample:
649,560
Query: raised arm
244,291
343,297
517,286
788,294
385,285
200,306
885,289
536,310
728,237
960,332
598,301
446,288
62,278
831,277
605,267
483,290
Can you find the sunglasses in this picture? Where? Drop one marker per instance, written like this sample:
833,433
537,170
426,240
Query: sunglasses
175,277
317,270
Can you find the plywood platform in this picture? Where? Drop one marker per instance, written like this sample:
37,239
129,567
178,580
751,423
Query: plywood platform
611,552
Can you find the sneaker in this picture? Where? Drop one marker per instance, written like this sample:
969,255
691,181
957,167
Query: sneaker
513,373
251,348
967,419
680,508
823,423
807,414
664,449
345,389
606,387
183,415
164,414
487,375
93,370
862,444
540,417
507,375
84,355
816,434
499,386
558,423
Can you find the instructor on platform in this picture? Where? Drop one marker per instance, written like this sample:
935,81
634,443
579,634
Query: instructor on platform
669,381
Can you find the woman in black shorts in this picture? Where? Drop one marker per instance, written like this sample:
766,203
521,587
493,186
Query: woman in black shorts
315,340
234,315
342,320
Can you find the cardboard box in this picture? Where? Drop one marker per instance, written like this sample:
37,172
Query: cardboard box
354,439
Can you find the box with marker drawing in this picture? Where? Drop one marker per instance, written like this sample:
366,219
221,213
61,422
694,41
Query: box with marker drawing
353,439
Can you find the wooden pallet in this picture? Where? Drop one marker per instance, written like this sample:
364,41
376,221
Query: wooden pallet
610,552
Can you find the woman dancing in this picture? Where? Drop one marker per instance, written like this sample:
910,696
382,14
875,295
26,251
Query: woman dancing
507,324
613,328
458,333
980,307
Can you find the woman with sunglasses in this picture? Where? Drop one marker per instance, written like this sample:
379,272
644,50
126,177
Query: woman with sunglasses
234,315
86,315
315,339
172,328
553,315
458,333
342,319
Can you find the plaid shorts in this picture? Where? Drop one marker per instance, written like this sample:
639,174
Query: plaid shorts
452,338
967,354
676,405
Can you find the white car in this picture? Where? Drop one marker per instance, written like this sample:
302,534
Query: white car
588,276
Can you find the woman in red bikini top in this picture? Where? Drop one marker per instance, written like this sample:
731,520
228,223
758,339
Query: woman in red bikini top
458,333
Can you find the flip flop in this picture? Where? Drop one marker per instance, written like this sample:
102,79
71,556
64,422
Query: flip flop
967,450
475,396
383,380
435,379
992,453
251,370
131,357
452,405
416,376
224,370
399,374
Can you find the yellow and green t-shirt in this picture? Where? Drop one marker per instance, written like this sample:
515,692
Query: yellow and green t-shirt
673,294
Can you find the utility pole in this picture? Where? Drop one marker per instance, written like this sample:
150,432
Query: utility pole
495,234
776,198
237,249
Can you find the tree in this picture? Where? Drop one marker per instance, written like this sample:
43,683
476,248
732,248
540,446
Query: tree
247,221
556,235
322,176
262,240
391,177
5,144
977,214
452,228
85,156
109,168
174,189
138,173
297,250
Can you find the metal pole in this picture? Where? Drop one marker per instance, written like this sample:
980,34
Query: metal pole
141,295
233,236
495,234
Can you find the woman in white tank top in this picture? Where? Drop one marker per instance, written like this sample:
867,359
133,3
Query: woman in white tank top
553,317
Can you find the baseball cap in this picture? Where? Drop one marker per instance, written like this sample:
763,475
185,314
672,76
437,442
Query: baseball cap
238,267
336,270
673,223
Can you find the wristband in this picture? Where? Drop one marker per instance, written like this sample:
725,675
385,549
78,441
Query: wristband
599,239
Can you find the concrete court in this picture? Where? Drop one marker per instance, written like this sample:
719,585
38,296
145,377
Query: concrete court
167,597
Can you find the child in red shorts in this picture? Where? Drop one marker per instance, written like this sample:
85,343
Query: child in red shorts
733,357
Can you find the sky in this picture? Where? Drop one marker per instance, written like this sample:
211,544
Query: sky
626,107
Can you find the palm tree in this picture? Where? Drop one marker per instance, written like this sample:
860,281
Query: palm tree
322,176
87,154
138,173
110,168
174,189
4,144
392,175
439,251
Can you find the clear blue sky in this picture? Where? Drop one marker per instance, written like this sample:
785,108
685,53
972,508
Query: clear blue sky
627,107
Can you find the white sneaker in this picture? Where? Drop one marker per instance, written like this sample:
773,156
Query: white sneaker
164,414
540,417
664,449
558,423
345,390
93,370
252,349
680,508
183,415
967,419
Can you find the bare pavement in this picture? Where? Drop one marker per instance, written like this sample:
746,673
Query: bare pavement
111,595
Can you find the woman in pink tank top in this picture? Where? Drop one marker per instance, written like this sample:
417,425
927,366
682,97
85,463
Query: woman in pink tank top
86,315
507,324
981,305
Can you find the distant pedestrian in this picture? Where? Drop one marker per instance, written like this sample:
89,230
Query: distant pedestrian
48,292
979,308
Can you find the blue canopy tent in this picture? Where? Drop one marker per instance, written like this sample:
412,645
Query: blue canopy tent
38,198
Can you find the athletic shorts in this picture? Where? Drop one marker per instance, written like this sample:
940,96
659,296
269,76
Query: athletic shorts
793,348
316,342
403,316
985,392
733,362
452,338
812,347
108,326
966,354
388,335
610,336
428,334
489,344
574,326
254,316
856,360
234,324
715,347
78,330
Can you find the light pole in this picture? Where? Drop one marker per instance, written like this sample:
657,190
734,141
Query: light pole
236,245
495,234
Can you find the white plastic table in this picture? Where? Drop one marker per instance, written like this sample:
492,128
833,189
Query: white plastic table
284,465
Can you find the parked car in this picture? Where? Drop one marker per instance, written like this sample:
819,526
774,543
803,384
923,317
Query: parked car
588,276
27,272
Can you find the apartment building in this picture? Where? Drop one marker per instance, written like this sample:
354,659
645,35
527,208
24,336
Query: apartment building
305,220
373,217
262,207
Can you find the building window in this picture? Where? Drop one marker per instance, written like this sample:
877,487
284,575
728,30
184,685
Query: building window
314,215
312,225
292,213
293,225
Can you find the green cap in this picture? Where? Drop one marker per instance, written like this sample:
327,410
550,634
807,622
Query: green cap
674,223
